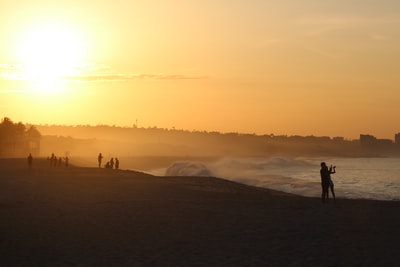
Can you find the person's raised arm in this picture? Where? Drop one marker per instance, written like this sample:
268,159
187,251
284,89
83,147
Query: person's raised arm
334,169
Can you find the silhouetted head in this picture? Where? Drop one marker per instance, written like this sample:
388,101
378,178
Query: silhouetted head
323,164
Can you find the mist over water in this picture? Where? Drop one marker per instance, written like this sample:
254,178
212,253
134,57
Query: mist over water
371,178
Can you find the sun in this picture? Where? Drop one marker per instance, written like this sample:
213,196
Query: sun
50,52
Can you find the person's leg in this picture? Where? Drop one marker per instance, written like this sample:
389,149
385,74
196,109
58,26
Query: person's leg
333,192
326,189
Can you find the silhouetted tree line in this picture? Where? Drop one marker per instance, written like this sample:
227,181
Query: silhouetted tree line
17,140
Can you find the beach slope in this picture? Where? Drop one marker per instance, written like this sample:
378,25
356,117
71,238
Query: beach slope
73,216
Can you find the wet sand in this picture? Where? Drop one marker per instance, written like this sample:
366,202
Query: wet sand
72,216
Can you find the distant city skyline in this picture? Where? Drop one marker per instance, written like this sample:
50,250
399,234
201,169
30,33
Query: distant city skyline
394,139
323,68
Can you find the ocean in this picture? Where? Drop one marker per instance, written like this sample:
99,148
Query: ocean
357,178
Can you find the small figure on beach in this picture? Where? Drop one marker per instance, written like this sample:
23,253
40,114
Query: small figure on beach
52,159
325,180
99,159
30,160
116,163
112,163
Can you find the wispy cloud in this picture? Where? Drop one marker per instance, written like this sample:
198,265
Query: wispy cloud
7,91
94,73
379,37
318,25
319,32
11,72
347,20
269,42
125,77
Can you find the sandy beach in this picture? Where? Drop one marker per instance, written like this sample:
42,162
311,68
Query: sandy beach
75,216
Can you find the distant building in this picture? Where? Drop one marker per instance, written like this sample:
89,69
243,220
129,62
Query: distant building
338,139
367,140
385,142
397,139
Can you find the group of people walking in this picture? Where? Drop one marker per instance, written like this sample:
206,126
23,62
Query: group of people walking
111,164
54,161
326,181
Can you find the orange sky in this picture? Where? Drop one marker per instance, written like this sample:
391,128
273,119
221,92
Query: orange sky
285,67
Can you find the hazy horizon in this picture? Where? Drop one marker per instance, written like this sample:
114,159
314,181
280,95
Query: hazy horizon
322,68
134,126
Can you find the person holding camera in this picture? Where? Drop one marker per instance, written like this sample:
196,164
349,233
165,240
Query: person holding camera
326,181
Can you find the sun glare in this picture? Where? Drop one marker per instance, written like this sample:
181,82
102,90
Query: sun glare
50,52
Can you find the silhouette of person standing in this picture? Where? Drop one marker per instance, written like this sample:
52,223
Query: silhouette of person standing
30,159
325,178
331,184
52,159
116,163
112,163
99,159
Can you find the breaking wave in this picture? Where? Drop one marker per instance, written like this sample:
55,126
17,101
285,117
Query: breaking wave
260,172
187,168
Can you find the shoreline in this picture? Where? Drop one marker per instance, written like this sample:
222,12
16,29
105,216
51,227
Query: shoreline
211,166
144,163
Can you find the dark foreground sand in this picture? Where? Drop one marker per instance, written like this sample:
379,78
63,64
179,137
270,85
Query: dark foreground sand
97,217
